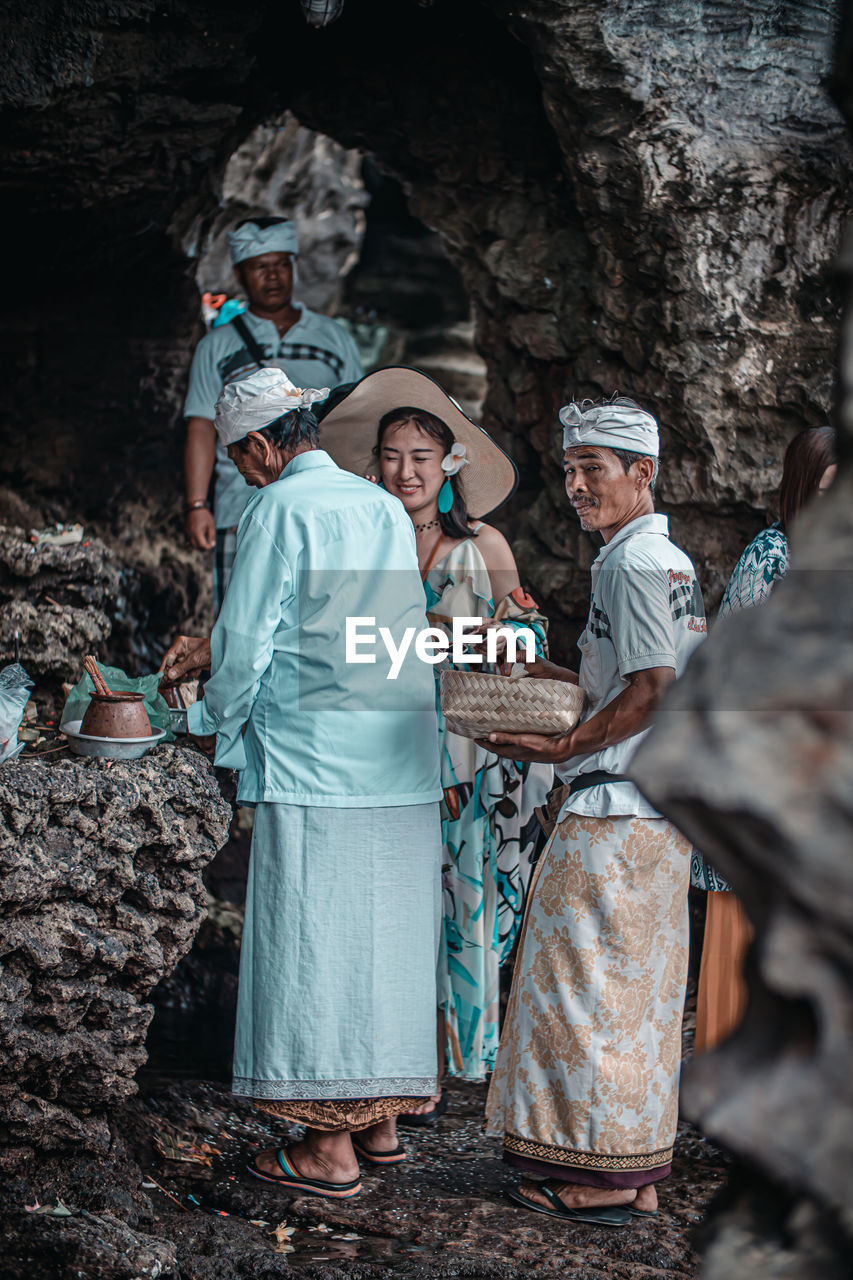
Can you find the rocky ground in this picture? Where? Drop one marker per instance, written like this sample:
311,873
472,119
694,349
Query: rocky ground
443,1213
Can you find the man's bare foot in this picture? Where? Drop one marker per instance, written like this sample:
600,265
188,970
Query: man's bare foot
323,1161
575,1196
426,1108
647,1198
380,1137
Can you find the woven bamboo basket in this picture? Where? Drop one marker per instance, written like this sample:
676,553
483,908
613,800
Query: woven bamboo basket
476,704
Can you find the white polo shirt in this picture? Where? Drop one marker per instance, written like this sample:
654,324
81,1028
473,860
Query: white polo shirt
315,352
645,611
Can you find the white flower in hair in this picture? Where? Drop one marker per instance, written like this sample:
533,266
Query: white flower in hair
453,462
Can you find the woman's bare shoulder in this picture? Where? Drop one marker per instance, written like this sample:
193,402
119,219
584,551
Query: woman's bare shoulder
494,547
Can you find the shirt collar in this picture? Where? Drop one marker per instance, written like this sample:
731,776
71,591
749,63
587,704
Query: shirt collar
643,524
307,461
259,320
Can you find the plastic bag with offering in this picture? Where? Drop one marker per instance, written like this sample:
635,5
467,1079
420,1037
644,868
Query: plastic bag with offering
15,687
77,702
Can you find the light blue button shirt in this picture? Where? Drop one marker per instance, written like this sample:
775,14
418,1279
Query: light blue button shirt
317,546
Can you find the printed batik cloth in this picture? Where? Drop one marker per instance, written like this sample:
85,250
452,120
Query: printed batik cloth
491,837
585,1086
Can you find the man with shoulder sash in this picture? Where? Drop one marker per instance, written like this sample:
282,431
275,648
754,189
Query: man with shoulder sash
274,332
585,1088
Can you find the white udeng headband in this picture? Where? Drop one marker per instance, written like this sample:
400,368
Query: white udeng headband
254,402
251,240
453,462
611,426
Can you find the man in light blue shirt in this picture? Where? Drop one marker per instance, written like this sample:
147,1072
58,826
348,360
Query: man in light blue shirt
275,332
336,1011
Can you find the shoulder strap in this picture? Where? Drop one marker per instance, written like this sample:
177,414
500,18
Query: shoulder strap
431,561
252,345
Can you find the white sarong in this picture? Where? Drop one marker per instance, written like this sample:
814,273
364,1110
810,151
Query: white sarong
337,990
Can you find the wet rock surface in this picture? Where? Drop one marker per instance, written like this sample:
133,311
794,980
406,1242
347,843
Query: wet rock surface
441,1214
56,602
101,892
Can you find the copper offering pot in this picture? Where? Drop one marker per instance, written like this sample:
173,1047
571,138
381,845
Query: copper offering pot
116,715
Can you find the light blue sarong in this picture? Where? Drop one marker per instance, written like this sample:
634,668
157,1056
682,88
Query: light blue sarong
337,990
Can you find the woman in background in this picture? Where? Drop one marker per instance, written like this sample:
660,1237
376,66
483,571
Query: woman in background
808,470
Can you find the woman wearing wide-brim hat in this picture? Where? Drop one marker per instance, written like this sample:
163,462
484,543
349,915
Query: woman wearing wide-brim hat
400,427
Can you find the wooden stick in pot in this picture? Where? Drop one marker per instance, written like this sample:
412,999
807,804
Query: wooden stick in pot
92,670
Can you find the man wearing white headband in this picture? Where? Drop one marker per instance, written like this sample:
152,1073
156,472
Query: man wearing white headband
275,332
585,1087
337,997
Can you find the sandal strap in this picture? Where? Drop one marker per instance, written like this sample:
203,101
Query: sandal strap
552,1197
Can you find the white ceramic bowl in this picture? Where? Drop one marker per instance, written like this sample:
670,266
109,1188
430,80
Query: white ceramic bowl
86,744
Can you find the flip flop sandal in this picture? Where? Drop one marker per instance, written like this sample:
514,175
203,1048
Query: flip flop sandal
397,1156
597,1215
426,1118
290,1177
641,1213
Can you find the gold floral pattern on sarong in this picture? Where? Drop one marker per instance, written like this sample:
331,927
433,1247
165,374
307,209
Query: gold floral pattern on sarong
587,1071
333,1116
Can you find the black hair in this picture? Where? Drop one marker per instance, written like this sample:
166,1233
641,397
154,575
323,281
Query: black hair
294,428
807,457
263,222
454,523
628,459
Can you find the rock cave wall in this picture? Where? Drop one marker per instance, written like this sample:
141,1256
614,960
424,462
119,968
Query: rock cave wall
637,196
101,890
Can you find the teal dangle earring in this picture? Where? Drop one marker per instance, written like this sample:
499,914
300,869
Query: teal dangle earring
451,465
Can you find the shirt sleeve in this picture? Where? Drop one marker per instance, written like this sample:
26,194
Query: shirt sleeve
241,644
205,383
638,605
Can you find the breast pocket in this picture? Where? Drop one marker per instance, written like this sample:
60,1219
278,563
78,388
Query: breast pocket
589,675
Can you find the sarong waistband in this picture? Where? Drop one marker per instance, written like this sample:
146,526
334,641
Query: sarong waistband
549,812
595,778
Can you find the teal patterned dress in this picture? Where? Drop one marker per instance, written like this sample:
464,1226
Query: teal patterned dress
490,835
762,565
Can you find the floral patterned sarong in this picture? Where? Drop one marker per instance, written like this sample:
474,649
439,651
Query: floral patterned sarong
586,1079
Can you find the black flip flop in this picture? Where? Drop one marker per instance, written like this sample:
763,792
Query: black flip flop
596,1215
641,1213
397,1156
291,1178
427,1118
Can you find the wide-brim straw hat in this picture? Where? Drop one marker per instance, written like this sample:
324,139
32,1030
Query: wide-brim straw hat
348,433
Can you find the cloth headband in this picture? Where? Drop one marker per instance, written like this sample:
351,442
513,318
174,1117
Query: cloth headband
254,402
611,426
250,241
